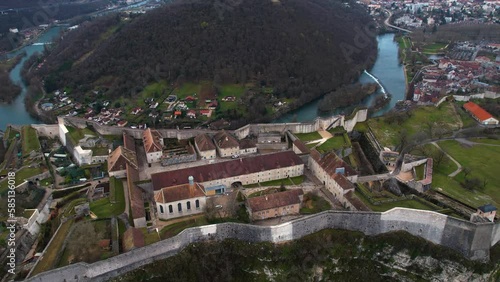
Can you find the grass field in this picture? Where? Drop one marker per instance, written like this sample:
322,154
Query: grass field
29,140
483,162
387,133
314,204
50,257
286,181
21,175
486,141
333,143
412,204
103,208
176,228
305,137
187,89
77,134
434,48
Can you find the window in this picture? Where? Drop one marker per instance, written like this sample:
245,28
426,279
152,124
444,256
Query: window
197,204
170,209
188,205
179,207
161,209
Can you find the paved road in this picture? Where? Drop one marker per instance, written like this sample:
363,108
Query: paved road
459,166
386,22
375,177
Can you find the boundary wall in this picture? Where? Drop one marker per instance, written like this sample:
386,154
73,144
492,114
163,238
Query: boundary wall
473,240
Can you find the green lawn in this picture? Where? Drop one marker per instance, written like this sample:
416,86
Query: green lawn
286,181
419,171
412,204
434,48
314,204
30,140
103,208
187,89
21,175
176,228
50,257
387,133
100,151
150,238
333,143
232,90
76,134
486,141
154,90
305,137
483,162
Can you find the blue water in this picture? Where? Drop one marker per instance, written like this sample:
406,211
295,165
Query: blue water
386,69
15,112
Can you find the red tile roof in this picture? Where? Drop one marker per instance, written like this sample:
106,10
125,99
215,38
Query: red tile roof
343,182
204,142
275,200
225,140
477,111
179,192
151,139
135,194
225,169
132,239
301,146
120,157
128,142
330,162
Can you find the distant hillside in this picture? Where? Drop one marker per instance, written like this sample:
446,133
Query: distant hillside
299,48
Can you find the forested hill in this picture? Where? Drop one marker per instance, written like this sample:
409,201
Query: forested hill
300,48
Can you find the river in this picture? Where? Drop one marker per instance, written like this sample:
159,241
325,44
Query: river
15,112
386,69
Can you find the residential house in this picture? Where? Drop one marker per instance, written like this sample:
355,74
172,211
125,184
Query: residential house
153,145
275,205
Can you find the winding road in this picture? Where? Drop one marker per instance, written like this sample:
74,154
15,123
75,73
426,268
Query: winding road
386,22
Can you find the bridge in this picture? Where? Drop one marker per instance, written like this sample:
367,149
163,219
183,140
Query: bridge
386,22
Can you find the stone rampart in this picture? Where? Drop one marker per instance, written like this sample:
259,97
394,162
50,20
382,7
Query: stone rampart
242,132
470,239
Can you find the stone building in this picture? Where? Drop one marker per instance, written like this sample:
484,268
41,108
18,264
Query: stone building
153,145
227,145
247,147
205,146
180,200
275,205
480,114
118,159
336,175
487,211
221,176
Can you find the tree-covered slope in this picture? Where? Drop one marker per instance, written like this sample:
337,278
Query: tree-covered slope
299,48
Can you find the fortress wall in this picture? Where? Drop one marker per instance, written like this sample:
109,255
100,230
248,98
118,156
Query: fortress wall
425,224
472,240
46,130
495,234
